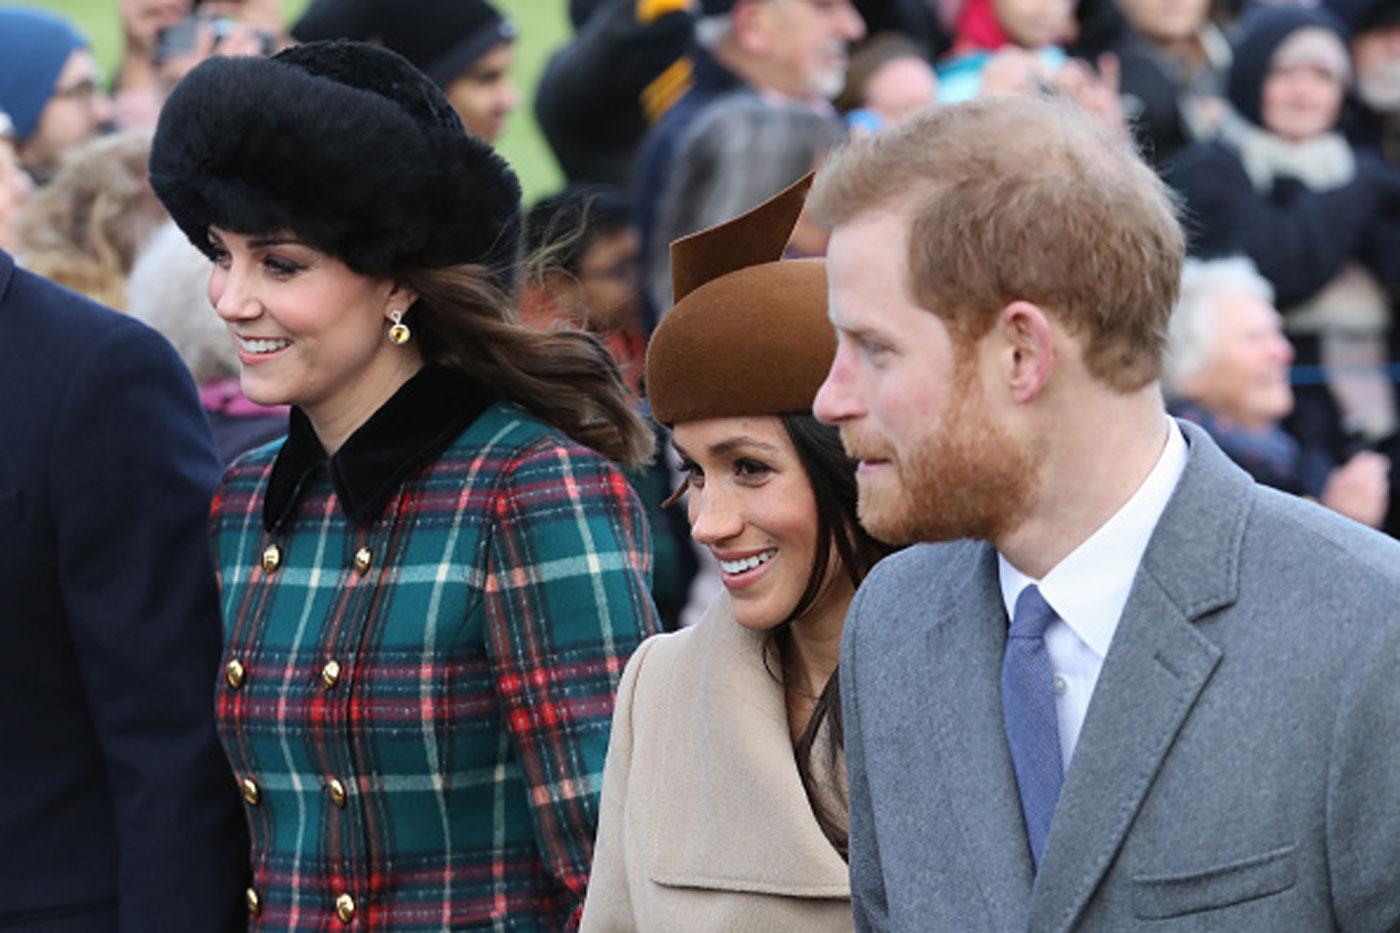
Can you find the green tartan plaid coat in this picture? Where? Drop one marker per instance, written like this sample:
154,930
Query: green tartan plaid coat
423,638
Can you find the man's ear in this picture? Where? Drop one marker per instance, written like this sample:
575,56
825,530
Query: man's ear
749,22
1028,346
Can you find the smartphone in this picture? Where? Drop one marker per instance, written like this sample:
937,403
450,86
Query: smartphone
175,41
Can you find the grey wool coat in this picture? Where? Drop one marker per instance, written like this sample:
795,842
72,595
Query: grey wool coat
1239,765
704,823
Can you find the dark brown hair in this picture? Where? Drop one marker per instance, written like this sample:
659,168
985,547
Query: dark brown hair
832,475
465,321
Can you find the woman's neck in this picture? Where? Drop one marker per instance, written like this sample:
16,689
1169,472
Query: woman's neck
813,650
335,419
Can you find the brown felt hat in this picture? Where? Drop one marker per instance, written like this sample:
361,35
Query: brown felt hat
749,334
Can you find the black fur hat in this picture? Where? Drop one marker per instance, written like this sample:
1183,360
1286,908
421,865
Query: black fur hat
345,144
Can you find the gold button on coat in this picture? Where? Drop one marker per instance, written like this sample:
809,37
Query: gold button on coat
235,673
330,674
250,792
250,897
337,792
272,558
363,558
345,908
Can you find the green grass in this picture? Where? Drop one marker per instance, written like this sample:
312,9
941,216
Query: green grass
543,24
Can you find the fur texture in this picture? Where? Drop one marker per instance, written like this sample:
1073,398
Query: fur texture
347,146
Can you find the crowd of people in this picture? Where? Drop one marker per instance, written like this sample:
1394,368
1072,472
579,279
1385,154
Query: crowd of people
928,468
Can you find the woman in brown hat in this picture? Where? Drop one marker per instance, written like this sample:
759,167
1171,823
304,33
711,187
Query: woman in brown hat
723,798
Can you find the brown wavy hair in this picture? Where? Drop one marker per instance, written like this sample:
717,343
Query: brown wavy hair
832,475
464,320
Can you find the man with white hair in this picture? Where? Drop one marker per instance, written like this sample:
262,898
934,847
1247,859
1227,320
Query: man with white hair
793,50
1372,121
1227,369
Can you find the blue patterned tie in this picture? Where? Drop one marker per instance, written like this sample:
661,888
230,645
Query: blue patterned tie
1028,709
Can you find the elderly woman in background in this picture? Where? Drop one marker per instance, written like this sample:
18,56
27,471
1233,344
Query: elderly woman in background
169,289
84,228
1227,370
1320,220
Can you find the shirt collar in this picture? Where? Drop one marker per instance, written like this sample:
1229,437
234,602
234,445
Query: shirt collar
1089,588
415,425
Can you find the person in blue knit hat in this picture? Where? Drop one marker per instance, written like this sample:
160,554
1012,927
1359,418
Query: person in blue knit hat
49,87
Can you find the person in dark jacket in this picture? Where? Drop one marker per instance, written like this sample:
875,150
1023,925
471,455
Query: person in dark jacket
785,50
118,812
1372,116
1320,220
465,46
431,586
1174,59
601,90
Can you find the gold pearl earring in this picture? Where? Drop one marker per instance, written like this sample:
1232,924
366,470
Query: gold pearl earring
398,331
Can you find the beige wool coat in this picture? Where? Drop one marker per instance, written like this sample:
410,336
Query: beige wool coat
704,824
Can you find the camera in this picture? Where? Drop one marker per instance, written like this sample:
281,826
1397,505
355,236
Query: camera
175,41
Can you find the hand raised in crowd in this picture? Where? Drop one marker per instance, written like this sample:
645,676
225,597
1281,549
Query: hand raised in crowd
242,39
1095,91
1014,70
1360,488
262,15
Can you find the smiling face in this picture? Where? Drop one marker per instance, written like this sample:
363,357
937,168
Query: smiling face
309,331
1245,378
935,464
1300,102
751,504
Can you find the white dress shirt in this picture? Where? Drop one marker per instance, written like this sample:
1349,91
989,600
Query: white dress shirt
1089,588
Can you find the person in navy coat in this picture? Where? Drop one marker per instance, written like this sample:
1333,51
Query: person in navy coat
118,811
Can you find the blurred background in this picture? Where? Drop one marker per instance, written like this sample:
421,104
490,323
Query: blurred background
543,27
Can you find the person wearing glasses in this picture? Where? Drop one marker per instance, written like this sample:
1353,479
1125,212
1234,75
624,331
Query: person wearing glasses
49,85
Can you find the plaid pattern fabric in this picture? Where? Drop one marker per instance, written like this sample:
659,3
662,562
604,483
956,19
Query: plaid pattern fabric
479,643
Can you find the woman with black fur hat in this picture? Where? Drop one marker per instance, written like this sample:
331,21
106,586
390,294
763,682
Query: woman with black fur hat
430,587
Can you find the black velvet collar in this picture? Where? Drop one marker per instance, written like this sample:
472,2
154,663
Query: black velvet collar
417,423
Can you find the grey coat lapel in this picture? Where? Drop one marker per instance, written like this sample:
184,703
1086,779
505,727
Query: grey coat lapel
966,648
1157,665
